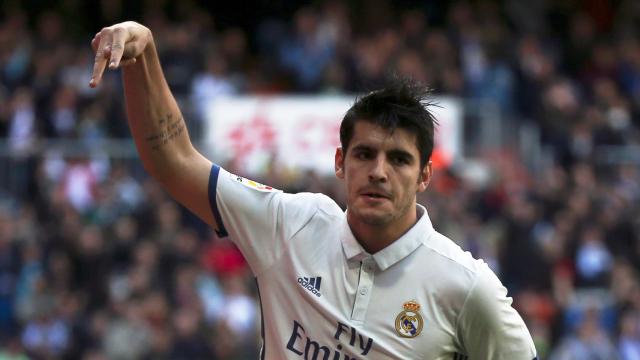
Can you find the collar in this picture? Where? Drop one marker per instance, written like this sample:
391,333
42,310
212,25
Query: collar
397,250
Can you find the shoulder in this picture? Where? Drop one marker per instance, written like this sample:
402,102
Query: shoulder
456,272
315,208
307,207
450,253
314,201
327,206
450,272
488,324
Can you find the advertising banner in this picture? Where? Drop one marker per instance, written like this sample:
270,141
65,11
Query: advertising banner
300,131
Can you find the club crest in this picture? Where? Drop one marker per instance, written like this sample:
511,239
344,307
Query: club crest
409,322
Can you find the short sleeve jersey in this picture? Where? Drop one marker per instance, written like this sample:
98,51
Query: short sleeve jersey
324,297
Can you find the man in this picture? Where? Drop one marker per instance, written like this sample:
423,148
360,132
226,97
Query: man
376,282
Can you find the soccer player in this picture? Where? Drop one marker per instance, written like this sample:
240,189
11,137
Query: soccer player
374,282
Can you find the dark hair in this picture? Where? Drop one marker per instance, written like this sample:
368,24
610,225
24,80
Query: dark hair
403,104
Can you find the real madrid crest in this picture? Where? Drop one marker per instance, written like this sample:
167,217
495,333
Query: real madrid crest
409,322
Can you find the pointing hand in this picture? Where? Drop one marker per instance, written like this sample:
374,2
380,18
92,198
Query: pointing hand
118,45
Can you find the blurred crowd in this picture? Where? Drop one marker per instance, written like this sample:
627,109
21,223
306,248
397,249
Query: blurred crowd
96,262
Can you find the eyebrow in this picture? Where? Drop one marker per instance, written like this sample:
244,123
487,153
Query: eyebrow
400,153
392,152
362,147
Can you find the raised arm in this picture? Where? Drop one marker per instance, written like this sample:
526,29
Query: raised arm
156,123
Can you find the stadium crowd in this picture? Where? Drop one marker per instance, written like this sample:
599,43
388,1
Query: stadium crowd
96,262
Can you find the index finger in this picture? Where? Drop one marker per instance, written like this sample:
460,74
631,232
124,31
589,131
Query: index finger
117,47
100,61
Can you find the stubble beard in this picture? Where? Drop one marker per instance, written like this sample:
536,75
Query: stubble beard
377,220
382,218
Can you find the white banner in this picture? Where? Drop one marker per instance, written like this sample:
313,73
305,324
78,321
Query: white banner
298,131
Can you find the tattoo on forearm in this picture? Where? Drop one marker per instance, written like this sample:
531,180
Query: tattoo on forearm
170,128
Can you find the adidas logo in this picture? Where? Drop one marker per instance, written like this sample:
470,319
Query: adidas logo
311,284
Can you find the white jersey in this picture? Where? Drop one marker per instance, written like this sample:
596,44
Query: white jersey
324,297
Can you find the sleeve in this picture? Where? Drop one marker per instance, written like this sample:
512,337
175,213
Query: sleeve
488,327
253,216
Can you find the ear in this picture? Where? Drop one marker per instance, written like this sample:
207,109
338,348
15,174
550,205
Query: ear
339,163
425,177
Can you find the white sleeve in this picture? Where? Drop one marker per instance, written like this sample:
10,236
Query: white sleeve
260,220
488,327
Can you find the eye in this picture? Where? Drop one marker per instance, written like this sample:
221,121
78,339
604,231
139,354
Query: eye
399,160
362,155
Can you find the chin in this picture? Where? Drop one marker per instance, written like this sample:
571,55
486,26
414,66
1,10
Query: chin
373,217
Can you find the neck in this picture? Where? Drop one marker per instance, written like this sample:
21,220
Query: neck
374,238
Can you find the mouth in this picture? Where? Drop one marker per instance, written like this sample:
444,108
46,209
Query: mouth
375,195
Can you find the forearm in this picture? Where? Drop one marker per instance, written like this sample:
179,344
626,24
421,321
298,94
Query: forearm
156,123
155,120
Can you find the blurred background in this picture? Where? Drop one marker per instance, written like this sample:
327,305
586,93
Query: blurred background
542,179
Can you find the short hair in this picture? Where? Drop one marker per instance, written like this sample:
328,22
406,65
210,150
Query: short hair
403,104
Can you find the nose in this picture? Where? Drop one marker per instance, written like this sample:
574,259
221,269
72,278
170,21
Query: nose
378,171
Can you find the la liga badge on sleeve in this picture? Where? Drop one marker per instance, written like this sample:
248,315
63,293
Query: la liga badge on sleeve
251,184
409,322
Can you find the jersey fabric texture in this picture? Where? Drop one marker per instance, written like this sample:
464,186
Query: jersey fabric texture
324,297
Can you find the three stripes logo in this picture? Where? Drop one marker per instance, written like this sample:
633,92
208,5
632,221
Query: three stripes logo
311,284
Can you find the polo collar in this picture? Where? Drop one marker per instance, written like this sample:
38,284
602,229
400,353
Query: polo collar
394,252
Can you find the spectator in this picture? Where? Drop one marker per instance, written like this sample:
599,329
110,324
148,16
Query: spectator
589,342
309,50
189,343
629,344
127,336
